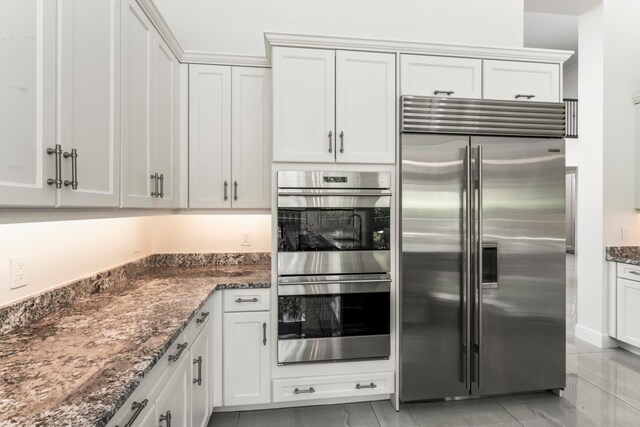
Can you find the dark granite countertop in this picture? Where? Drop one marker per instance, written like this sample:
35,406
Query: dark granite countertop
624,254
78,365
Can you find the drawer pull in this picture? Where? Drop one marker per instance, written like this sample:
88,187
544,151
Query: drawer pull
264,333
518,96
637,273
443,92
239,300
199,362
303,391
360,387
175,357
167,418
202,317
137,407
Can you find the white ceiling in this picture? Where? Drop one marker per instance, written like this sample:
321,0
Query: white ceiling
560,7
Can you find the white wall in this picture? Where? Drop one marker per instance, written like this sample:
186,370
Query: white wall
621,82
210,233
237,26
590,230
63,251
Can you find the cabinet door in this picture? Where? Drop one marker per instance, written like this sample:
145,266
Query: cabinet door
303,105
174,397
165,122
201,364
137,114
628,322
246,358
27,102
440,76
251,137
209,136
524,81
365,107
89,99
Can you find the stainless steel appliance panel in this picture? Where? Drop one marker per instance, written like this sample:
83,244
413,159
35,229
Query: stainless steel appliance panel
435,331
521,329
333,349
325,179
333,262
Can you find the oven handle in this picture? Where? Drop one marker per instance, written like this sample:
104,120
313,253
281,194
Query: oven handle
357,193
327,282
334,288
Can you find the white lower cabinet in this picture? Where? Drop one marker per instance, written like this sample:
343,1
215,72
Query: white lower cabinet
172,404
628,315
311,388
201,364
246,354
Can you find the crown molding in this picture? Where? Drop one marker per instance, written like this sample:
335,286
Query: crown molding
484,52
154,15
198,57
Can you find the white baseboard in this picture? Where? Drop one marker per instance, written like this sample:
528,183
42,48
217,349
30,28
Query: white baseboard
594,337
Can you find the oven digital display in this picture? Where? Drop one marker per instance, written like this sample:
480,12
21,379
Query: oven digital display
336,179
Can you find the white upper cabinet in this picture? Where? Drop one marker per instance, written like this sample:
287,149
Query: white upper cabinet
165,123
209,136
333,106
137,91
229,137
440,76
303,105
251,137
27,102
524,81
89,103
365,107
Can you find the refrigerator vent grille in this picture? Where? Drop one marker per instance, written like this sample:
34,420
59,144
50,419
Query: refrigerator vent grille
422,114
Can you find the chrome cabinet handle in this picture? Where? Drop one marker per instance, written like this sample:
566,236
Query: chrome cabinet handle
137,407
264,333
443,92
181,348
161,177
235,190
360,387
154,177
199,379
637,273
303,391
247,300
331,141
202,317
74,169
57,151
341,141
167,418
225,190
518,96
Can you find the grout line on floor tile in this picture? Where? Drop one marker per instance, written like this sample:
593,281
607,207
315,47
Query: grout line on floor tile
608,392
508,412
376,415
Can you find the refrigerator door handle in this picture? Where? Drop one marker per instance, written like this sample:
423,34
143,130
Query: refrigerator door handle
479,273
467,283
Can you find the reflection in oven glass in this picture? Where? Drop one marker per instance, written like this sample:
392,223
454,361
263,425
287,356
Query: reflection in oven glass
333,229
341,315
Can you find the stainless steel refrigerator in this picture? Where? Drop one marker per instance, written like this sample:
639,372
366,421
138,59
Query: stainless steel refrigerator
483,241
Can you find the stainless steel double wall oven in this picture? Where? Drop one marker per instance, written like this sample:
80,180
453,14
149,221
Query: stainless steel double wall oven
334,263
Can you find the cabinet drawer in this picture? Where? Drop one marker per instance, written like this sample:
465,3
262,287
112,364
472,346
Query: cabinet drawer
246,300
440,76
521,81
335,386
629,272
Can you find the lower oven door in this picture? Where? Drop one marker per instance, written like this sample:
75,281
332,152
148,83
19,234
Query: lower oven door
326,320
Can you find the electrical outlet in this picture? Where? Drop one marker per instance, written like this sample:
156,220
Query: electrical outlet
19,272
624,235
245,239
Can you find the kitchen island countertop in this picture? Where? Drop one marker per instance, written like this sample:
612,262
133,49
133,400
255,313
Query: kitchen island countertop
78,365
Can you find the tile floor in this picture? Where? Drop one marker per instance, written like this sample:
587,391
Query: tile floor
603,389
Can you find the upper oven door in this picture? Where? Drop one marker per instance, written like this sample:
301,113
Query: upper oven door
335,231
